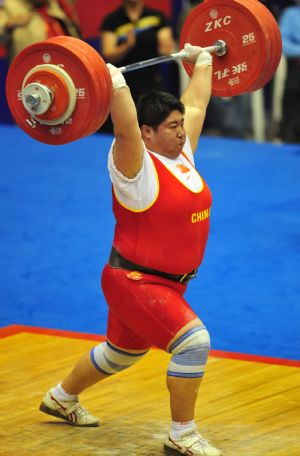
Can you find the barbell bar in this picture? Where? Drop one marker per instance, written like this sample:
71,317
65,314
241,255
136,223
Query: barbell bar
37,98
59,90
219,48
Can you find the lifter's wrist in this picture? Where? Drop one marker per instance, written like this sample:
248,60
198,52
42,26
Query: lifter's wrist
204,58
197,55
117,78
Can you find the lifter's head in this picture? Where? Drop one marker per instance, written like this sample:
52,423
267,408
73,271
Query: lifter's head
160,117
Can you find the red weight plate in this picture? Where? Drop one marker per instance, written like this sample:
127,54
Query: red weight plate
103,89
269,37
76,47
278,44
276,47
106,89
59,91
100,75
271,27
101,96
269,65
77,66
232,22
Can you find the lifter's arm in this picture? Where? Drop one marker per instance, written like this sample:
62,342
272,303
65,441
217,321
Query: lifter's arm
128,148
197,94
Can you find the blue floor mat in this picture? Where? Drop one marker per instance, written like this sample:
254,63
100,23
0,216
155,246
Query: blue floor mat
57,226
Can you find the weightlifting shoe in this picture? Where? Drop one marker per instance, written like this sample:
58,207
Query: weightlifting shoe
191,443
70,411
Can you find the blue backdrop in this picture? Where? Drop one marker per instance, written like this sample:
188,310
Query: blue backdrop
57,226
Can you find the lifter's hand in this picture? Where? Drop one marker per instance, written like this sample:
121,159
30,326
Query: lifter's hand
117,78
197,56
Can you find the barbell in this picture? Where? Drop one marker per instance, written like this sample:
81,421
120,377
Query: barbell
59,90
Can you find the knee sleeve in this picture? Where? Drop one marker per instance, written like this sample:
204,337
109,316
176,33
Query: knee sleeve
190,353
109,360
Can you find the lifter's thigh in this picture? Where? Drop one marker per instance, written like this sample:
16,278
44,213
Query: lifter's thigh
151,307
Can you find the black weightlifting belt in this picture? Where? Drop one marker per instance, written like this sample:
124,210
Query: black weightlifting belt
117,261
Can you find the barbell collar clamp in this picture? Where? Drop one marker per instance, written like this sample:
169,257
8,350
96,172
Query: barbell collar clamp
32,100
37,98
221,48
32,123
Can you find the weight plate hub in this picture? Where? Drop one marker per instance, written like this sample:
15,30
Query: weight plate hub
58,88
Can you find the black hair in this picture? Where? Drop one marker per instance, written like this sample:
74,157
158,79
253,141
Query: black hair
154,107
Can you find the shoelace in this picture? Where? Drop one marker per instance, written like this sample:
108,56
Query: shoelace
197,440
77,407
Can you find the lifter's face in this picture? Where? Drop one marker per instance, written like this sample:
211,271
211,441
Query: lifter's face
168,138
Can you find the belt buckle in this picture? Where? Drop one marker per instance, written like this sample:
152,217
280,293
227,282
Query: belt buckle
182,280
193,274
187,277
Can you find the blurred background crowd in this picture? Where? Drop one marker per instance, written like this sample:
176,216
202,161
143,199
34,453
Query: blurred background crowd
126,31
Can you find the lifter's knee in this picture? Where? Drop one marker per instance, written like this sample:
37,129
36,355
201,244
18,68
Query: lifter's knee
109,360
190,353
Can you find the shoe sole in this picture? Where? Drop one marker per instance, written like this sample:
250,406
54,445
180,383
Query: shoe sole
43,408
170,451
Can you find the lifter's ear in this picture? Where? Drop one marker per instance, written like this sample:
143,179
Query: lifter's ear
146,132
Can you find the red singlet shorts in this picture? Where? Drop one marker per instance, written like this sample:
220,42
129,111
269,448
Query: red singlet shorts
144,309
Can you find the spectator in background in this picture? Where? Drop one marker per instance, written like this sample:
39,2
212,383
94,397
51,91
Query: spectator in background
133,33
24,22
229,116
290,31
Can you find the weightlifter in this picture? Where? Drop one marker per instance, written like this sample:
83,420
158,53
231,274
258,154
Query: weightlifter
162,210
